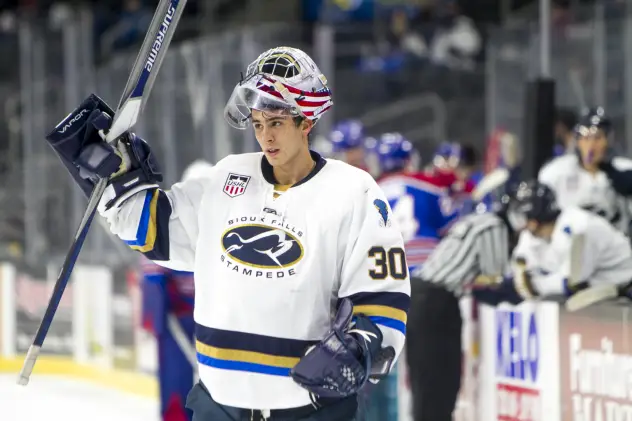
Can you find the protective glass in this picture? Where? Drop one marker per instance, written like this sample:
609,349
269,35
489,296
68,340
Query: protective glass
248,96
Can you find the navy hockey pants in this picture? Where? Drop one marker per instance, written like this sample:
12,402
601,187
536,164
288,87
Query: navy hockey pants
206,409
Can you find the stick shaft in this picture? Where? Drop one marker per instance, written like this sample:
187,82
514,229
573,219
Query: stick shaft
132,102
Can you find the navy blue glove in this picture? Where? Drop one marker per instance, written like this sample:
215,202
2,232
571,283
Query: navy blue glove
342,363
496,293
625,291
78,141
621,179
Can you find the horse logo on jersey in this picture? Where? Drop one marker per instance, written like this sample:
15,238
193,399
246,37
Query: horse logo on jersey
236,184
382,209
262,246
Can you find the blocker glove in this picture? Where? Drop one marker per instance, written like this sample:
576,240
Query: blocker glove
79,142
350,355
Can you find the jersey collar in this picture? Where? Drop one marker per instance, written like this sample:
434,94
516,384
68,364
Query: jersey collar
268,174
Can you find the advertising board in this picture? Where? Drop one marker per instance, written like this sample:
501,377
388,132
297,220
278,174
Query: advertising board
596,364
519,363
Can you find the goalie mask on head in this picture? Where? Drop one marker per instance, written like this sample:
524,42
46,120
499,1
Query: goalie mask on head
283,80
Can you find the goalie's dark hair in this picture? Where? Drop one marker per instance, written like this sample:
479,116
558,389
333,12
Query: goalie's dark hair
298,120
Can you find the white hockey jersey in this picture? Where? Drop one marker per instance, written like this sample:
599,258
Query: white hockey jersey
269,267
606,256
574,186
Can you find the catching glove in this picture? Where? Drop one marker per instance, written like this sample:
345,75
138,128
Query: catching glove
350,355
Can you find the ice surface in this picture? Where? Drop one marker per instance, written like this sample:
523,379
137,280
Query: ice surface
53,398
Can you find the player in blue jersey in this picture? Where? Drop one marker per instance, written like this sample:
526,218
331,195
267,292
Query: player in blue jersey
453,166
347,139
168,315
168,297
421,202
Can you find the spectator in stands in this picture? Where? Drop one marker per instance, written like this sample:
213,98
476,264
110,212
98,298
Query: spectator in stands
560,16
8,21
457,41
409,36
565,122
129,29
440,34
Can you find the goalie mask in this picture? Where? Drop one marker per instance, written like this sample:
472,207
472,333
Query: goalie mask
283,80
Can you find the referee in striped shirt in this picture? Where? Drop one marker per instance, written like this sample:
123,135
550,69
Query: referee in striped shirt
478,244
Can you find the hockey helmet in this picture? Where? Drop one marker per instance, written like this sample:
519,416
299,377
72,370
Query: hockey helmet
591,121
532,201
347,134
447,156
393,152
282,80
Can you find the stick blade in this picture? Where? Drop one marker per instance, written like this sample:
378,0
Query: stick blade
146,66
590,296
489,183
126,118
577,253
28,365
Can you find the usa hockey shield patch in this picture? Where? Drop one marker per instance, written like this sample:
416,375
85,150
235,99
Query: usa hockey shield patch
236,184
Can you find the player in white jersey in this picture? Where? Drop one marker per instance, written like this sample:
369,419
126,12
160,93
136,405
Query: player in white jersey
279,242
579,180
543,259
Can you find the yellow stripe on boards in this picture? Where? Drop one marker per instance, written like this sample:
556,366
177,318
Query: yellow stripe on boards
125,381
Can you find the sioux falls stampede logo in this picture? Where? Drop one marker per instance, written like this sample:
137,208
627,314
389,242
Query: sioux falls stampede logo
266,249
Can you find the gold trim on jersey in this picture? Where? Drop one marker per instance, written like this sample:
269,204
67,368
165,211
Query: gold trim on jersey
381,311
279,189
245,356
150,238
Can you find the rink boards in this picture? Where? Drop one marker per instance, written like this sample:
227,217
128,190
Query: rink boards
95,335
533,362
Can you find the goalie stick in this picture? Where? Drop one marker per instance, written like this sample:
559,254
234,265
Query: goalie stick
183,342
489,183
131,104
591,295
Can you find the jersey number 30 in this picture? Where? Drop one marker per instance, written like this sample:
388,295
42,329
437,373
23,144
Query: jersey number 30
391,262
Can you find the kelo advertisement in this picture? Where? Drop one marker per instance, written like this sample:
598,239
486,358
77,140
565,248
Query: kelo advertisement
596,364
519,363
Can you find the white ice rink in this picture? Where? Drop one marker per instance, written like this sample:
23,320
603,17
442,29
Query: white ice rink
52,398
